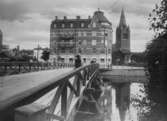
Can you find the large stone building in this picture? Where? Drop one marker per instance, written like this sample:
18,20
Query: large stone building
91,38
121,52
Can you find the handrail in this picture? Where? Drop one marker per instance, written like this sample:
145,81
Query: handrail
22,67
81,77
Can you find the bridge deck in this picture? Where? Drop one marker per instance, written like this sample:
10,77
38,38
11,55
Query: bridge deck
15,87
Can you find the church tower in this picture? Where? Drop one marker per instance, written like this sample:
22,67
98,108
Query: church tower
123,35
121,53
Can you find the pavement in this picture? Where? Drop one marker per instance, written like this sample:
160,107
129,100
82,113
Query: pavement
12,86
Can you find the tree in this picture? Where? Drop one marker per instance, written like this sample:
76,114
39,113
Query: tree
45,55
156,57
158,18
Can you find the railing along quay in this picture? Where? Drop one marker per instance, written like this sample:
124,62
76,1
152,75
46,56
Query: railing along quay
8,68
69,87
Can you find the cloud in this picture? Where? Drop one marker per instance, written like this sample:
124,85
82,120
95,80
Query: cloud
11,11
25,22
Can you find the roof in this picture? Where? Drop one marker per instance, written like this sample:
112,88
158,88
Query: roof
76,22
99,17
122,19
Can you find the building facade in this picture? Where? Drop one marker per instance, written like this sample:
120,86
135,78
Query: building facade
91,38
122,45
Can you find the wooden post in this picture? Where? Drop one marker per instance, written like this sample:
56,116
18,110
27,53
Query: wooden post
64,101
78,86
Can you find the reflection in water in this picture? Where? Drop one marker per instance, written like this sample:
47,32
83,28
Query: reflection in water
131,112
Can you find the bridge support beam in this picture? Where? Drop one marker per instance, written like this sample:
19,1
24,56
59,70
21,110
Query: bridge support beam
31,112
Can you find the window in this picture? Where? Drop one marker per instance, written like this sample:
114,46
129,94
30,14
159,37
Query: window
89,34
94,24
93,33
84,42
79,50
102,41
71,42
79,42
71,50
71,25
93,42
82,25
109,50
84,59
99,34
63,25
79,34
106,43
62,51
125,35
70,60
62,60
84,34
55,25
94,50
102,60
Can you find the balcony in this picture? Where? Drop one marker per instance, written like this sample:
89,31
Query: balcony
66,44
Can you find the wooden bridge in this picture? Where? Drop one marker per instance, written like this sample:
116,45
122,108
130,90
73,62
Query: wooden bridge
71,95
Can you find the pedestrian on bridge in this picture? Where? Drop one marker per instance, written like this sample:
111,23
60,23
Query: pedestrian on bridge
77,61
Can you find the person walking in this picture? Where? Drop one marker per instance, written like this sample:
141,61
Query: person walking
77,61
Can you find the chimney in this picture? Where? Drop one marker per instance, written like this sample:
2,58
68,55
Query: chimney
78,17
56,17
65,17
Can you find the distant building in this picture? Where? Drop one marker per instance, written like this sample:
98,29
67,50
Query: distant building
38,53
91,38
121,49
1,39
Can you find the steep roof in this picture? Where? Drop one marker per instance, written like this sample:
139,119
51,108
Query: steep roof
99,17
122,18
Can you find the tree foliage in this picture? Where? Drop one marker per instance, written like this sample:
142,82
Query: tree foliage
158,18
45,55
156,56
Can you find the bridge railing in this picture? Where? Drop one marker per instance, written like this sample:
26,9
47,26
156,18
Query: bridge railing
22,67
68,87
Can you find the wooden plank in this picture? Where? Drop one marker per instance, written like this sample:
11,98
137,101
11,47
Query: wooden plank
64,101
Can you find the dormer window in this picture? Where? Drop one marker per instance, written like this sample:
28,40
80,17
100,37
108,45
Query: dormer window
63,25
71,25
94,24
82,25
55,25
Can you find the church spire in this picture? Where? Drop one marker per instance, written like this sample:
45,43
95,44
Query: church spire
122,18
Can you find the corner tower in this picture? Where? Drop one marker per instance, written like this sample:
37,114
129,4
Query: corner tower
123,34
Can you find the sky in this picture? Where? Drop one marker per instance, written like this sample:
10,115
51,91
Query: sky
27,22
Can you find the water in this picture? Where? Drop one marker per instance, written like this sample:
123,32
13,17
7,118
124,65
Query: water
132,114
